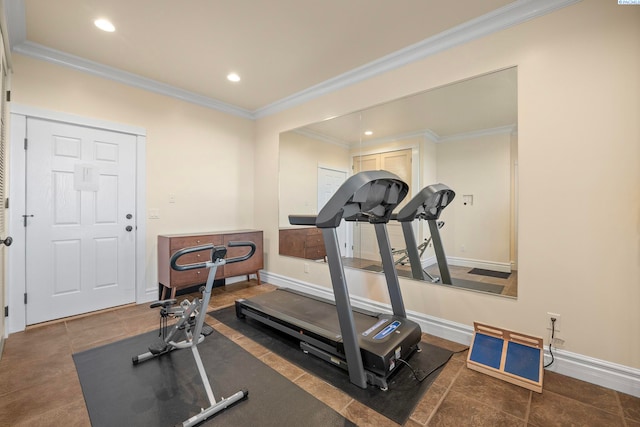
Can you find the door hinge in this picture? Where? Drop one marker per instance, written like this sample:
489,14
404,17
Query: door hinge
25,298
25,143
6,203
8,96
6,311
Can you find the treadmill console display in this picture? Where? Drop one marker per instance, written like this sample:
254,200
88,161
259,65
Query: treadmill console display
386,331
375,326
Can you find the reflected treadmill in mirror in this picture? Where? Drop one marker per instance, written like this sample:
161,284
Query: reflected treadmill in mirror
463,134
427,205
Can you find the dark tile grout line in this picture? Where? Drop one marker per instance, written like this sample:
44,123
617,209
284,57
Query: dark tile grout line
444,395
528,411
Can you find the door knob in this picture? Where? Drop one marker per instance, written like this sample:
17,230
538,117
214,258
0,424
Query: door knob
7,242
129,228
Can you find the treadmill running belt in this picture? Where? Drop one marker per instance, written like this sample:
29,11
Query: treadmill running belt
315,311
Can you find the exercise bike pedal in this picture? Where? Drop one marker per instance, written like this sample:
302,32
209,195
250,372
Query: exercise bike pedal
206,330
158,347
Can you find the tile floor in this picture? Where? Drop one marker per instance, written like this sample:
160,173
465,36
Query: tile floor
39,385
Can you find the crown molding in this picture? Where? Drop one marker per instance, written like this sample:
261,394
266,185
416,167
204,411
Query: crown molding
15,15
309,133
424,133
513,14
477,133
510,15
38,51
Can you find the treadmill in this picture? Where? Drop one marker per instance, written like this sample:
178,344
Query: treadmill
368,345
428,204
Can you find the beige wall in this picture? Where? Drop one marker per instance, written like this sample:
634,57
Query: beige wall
428,161
203,157
579,169
479,167
299,160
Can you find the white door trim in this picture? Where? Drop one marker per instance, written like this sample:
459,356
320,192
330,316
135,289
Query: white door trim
15,280
347,251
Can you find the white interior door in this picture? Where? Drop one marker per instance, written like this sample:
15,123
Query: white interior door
80,224
329,180
3,230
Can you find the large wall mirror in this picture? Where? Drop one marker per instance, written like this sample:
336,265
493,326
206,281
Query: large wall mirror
463,135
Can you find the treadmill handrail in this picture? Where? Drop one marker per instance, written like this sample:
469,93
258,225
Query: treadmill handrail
303,219
369,194
427,204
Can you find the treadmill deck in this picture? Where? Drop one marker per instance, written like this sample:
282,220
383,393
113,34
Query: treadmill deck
383,338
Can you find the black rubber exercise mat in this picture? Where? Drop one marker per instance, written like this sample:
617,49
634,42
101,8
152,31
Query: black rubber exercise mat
397,403
168,390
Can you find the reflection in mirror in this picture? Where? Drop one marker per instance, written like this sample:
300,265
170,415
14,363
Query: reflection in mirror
463,135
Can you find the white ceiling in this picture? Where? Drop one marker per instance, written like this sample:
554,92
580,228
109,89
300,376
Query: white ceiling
284,50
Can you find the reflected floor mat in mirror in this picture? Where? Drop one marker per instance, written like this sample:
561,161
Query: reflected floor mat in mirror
477,286
378,269
490,273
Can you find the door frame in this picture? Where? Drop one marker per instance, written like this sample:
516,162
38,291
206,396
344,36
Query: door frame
348,234
16,266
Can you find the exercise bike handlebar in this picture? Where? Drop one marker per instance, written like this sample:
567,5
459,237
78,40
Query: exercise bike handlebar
242,257
217,253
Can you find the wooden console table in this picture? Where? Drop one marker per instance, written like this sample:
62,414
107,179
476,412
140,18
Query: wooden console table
170,243
303,242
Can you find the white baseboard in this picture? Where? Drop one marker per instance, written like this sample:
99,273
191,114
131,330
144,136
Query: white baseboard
606,374
429,261
150,295
504,267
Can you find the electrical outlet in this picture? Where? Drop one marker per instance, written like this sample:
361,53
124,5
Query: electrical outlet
306,268
550,325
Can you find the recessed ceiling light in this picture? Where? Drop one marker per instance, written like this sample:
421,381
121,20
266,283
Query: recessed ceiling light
233,77
104,25
368,132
